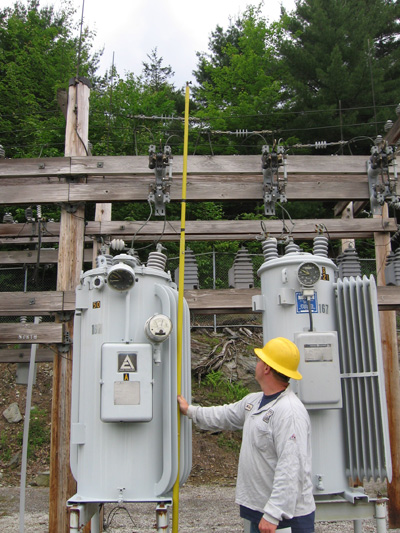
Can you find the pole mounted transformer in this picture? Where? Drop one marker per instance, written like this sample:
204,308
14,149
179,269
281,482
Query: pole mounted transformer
124,419
335,324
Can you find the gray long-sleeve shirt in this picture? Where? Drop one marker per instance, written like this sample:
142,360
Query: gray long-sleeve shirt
274,474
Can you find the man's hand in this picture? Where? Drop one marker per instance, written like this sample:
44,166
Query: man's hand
183,405
266,527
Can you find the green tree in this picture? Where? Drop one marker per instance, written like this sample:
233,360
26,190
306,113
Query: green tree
123,114
341,55
154,74
38,55
240,79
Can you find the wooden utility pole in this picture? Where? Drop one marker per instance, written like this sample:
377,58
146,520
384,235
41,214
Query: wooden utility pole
70,264
102,214
392,381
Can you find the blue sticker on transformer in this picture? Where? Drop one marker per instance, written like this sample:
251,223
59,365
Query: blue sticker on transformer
302,305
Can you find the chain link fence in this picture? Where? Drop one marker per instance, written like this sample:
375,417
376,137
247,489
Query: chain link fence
213,273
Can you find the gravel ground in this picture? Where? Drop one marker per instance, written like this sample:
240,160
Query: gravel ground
203,509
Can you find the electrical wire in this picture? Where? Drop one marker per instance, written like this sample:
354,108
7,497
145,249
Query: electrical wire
112,514
143,225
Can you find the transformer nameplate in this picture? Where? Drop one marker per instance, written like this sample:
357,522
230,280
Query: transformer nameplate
126,393
318,352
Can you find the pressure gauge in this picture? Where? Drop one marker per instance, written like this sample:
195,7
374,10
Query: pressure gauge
158,328
308,274
121,277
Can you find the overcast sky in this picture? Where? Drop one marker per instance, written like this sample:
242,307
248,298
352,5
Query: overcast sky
178,28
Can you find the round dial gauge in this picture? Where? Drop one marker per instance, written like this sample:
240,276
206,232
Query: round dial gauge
308,274
121,278
158,328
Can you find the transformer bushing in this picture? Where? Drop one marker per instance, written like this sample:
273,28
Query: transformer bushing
157,260
241,275
270,248
321,245
191,280
292,247
349,264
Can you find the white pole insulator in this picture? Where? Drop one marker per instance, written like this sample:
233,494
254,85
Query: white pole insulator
117,244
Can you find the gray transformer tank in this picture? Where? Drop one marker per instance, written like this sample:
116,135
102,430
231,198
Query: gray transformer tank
124,418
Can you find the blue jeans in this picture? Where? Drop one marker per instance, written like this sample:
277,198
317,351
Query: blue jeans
296,527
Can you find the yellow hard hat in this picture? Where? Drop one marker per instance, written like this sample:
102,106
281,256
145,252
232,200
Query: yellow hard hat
282,355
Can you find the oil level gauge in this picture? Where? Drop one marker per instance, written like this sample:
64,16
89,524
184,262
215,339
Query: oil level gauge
158,328
308,274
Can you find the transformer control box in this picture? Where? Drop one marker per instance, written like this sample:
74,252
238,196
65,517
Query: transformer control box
126,382
320,387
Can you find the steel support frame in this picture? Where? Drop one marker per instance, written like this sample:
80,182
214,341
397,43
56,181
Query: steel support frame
337,508
80,514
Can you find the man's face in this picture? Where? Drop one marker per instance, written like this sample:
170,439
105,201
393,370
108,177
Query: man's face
260,368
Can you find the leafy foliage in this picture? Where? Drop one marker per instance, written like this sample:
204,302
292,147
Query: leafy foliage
223,390
240,79
341,58
38,55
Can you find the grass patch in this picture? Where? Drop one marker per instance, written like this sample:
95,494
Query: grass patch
221,390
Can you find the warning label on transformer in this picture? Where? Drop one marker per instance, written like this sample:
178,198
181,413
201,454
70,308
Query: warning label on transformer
127,362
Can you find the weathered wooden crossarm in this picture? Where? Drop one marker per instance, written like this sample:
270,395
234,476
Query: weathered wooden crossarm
199,301
67,167
203,230
28,333
36,303
22,355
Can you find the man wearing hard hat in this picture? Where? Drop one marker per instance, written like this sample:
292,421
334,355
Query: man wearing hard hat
274,487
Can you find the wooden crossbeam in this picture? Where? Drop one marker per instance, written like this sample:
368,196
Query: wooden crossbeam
203,230
29,257
199,301
73,166
215,178
20,333
199,188
22,355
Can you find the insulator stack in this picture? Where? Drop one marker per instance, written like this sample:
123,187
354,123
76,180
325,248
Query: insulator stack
321,245
292,247
191,278
8,218
23,319
390,277
157,260
241,274
397,266
270,248
349,264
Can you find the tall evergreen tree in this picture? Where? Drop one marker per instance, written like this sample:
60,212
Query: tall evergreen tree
342,54
155,75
